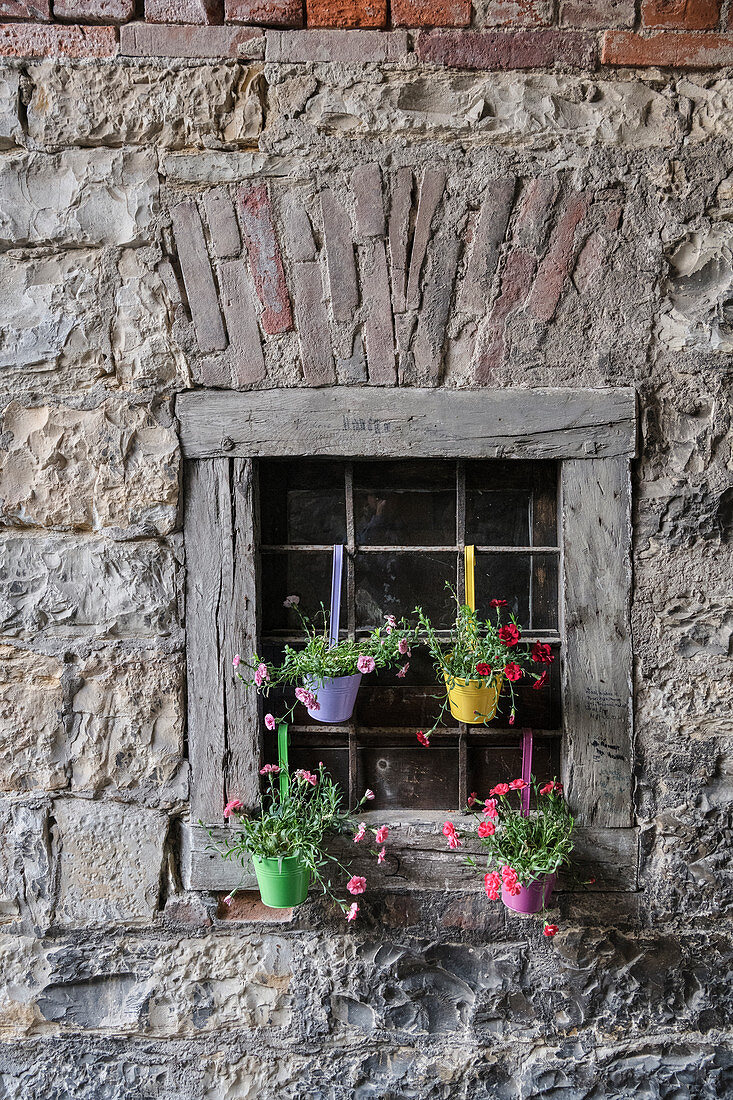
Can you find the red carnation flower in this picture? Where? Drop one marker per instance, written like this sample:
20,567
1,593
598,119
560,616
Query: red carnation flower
551,930
509,634
483,669
512,671
541,652
423,739
540,681
497,603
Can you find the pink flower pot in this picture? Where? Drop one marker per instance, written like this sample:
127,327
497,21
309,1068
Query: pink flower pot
336,696
531,898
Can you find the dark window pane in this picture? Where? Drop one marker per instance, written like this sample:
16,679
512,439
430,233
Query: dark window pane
488,765
302,502
405,504
544,591
507,502
497,517
393,584
412,707
503,577
306,574
406,778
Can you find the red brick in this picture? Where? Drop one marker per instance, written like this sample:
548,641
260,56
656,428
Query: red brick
184,11
688,15
516,281
346,13
667,51
271,13
431,13
29,40
553,270
94,11
597,13
518,13
39,10
265,260
507,49
247,906
151,40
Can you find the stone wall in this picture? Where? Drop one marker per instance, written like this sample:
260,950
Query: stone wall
614,267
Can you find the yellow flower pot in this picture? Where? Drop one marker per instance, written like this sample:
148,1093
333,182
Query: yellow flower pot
473,701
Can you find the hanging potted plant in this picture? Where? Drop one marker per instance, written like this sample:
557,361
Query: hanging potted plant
326,673
524,849
477,661
286,840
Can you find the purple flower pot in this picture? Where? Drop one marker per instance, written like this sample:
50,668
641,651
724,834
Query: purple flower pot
336,696
532,898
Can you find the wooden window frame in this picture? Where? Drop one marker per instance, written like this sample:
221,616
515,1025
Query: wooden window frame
592,433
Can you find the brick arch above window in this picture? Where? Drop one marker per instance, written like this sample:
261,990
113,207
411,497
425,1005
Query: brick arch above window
590,433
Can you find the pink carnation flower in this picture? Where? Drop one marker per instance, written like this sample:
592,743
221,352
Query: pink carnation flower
236,660
307,698
356,885
369,794
261,674
365,664
270,721
402,646
381,834
403,671
270,769
380,856
360,832
492,885
309,777
351,915
232,806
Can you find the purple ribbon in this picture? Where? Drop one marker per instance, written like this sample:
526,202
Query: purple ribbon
526,769
336,574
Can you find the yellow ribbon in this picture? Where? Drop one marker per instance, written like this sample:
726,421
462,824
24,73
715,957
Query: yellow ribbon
469,559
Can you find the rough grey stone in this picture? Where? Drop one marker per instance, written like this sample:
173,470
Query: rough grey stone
87,470
109,862
32,741
11,131
144,104
126,729
75,587
78,197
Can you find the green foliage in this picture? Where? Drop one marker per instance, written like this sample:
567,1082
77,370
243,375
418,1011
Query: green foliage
475,652
296,820
386,647
531,846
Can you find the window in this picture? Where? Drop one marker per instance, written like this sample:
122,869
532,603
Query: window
538,480
405,525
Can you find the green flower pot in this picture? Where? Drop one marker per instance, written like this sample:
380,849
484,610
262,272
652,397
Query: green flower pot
283,882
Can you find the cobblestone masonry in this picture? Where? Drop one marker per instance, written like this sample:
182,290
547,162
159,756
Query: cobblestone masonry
571,228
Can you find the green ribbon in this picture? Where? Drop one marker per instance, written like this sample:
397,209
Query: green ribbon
282,756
